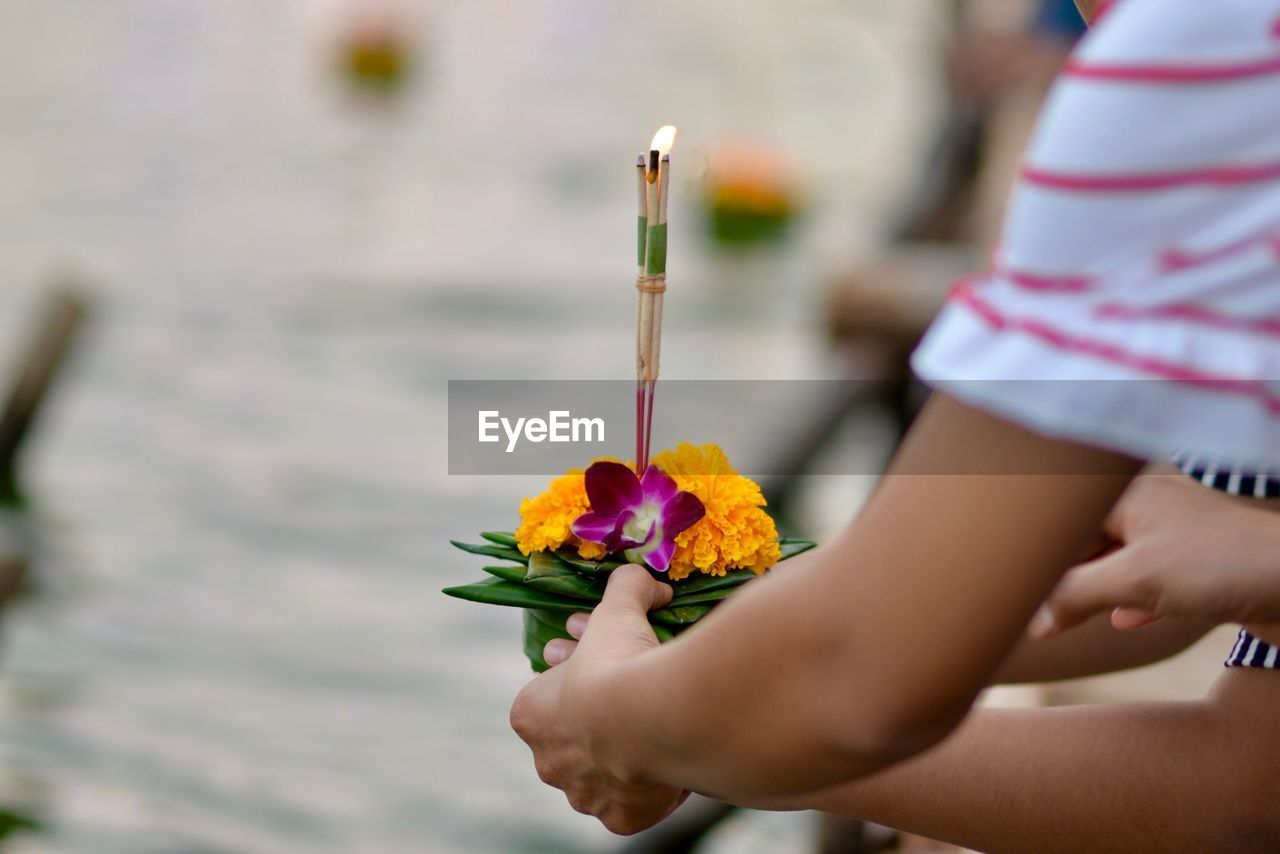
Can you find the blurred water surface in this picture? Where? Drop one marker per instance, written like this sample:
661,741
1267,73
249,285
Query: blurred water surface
240,645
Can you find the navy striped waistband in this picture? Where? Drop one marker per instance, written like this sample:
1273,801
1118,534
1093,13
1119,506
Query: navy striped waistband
1250,651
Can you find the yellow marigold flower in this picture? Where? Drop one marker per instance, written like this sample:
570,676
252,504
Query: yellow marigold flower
545,520
736,532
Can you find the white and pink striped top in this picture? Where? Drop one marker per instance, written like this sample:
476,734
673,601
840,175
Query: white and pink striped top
1134,302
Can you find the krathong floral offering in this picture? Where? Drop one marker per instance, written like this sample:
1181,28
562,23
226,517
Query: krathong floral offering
686,515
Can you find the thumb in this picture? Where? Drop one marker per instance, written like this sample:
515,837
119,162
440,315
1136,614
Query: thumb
1091,588
619,625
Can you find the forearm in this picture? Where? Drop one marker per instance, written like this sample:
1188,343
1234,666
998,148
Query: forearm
875,647
1097,647
1194,776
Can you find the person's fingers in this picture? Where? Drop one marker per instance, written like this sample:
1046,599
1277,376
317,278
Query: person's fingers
558,650
1101,546
1115,525
620,623
1089,589
1043,625
1126,619
632,592
576,624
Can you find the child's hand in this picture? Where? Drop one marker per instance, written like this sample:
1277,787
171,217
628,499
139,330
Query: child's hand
1184,551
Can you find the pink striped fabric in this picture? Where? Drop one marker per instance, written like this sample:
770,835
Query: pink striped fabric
1134,302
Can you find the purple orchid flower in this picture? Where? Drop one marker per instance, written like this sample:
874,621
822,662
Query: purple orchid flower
638,516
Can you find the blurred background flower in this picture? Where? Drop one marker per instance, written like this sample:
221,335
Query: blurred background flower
750,196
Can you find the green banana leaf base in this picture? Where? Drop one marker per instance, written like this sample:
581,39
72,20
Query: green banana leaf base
550,586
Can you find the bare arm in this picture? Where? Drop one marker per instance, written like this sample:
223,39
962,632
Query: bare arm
868,652
1098,647
878,646
1198,776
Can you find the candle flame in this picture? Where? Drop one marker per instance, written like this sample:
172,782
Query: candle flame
663,140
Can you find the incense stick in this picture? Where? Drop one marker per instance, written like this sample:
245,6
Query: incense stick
642,229
651,282
656,297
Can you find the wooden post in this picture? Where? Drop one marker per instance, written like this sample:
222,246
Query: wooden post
63,313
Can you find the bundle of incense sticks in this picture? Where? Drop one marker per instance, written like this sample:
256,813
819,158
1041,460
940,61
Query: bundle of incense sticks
653,173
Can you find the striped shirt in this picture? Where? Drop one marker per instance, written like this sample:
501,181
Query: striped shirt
1249,651
1134,301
